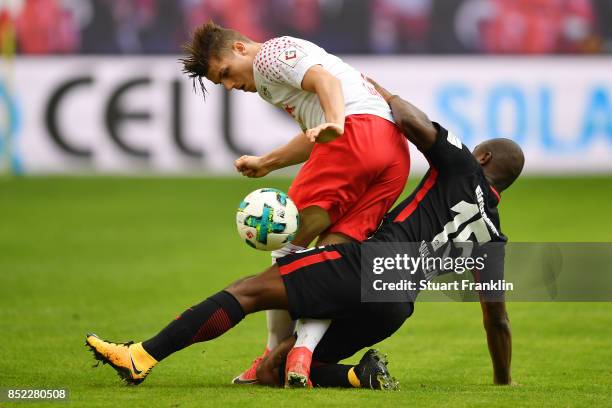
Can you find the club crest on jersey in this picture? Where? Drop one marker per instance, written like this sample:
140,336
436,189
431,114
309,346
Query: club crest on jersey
265,92
291,56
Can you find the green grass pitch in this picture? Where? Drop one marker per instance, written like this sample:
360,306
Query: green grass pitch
123,256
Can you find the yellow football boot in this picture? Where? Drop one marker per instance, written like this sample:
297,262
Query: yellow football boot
130,360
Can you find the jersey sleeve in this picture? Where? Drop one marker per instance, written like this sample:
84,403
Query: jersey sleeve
449,155
285,61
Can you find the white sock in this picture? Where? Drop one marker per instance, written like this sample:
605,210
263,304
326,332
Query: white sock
280,325
286,250
310,332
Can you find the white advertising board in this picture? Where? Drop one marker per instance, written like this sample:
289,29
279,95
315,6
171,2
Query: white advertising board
139,115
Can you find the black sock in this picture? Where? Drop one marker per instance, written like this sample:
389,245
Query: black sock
202,322
330,375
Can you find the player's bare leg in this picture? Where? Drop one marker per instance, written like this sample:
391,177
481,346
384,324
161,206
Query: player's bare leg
332,238
313,222
203,322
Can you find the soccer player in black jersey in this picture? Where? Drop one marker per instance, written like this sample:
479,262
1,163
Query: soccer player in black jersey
456,201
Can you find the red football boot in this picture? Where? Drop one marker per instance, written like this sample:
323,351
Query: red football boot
249,376
297,370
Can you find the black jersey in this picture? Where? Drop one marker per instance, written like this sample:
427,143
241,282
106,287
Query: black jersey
453,202
452,214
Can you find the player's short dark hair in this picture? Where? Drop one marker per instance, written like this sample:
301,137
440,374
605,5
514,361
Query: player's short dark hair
208,41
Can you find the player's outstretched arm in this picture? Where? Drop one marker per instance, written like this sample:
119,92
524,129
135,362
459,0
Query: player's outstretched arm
413,122
295,152
499,339
329,90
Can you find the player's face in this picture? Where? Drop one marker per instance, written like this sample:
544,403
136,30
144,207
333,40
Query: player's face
233,69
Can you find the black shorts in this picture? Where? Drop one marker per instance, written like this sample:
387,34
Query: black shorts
325,283
346,337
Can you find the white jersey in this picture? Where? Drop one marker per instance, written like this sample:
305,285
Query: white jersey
280,66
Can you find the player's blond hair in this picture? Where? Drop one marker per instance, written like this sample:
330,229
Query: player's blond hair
208,41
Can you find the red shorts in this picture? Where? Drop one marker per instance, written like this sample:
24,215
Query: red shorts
357,177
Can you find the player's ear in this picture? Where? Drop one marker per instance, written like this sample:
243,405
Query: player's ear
482,154
239,47
484,157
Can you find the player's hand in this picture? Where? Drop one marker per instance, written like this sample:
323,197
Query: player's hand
382,91
325,133
251,166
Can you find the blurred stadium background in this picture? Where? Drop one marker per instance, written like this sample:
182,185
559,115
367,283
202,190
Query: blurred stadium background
93,87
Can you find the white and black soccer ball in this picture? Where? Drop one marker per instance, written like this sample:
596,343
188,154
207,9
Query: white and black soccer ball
267,219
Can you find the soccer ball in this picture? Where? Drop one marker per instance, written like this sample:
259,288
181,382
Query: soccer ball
267,219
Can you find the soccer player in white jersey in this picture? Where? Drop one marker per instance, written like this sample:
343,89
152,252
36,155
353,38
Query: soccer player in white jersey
345,186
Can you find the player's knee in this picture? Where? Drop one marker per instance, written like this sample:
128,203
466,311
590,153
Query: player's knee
259,292
334,238
313,221
245,291
495,316
265,291
501,322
